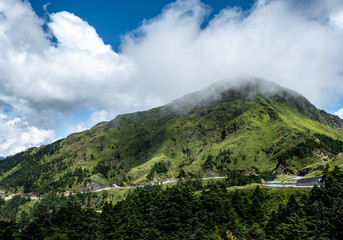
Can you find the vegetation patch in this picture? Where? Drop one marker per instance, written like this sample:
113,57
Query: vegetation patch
158,169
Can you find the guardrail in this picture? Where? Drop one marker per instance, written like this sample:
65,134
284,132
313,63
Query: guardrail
295,185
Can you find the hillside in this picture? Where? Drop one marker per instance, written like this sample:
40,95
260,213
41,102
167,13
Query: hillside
256,126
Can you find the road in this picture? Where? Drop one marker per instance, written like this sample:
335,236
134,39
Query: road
266,184
164,182
287,185
119,187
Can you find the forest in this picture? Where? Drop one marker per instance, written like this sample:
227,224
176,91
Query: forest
190,209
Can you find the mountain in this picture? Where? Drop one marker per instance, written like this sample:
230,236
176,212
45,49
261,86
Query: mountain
332,120
1,158
253,126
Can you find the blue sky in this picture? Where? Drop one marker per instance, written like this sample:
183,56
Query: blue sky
112,19
66,65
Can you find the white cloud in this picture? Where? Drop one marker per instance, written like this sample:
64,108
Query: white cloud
77,70
295,44
17,135
42,81
339,113
337,19
174,55
74,34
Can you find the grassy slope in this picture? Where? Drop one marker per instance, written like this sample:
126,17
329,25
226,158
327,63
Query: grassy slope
254,129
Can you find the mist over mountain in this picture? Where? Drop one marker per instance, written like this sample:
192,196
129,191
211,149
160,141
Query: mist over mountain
253,126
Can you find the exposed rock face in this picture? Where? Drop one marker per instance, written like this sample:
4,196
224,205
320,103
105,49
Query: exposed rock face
332,120
93,185
323,155
210,173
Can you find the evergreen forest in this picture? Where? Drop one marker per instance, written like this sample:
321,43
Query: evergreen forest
189,209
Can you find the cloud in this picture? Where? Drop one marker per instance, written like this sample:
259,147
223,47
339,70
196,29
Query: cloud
175,54
337,19
75,71
46,76
339,113
17,135
74,34
34,69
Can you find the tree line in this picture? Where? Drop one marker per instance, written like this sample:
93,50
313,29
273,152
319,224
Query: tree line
188,210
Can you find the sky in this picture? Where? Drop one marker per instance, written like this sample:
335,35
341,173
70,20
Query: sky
66,65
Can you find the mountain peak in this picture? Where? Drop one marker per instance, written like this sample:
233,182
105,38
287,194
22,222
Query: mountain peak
252,125
228,91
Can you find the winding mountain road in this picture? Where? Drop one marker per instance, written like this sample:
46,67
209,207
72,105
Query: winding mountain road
265,184
164,182
117,187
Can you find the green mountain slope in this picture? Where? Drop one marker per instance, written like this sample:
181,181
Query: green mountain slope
254,127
